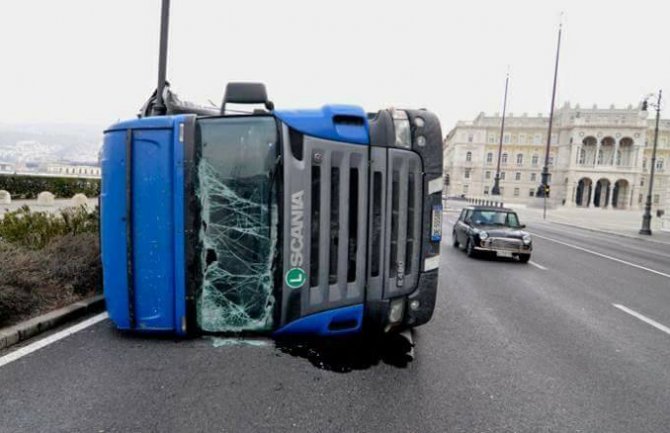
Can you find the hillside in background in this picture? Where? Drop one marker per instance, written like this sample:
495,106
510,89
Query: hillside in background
40,142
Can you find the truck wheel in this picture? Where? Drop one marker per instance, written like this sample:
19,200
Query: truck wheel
454,240
523,258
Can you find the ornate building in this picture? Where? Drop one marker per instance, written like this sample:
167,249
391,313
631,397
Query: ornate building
598,157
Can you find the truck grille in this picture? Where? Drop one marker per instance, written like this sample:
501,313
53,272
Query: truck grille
395,227
327,236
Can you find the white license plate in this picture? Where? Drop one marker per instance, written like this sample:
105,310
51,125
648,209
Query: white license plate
504,253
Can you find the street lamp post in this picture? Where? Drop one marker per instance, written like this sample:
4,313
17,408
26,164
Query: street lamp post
496,183
543,190
646,218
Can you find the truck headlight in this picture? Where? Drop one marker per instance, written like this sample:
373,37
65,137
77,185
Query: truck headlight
403,135
483,235
396,310
526,239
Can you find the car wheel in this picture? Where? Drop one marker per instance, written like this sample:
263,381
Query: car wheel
470,248
454,240
523,258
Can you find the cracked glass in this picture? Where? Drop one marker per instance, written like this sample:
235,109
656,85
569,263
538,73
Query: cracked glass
238,230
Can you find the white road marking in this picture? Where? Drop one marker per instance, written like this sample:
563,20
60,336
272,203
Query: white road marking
530,262
645,319
27,350
605,256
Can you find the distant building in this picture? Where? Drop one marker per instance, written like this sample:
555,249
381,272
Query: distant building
6,167
598,157
71,169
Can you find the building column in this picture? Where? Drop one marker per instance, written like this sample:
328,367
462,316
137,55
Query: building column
608,196
616,151
595,160
591,193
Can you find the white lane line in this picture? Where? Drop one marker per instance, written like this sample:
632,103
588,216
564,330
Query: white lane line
605,256
537,265
27,350
645,319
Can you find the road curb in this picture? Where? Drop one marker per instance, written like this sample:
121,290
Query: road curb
623,235
31,327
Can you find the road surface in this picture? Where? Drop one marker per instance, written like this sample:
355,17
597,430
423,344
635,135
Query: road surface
578,340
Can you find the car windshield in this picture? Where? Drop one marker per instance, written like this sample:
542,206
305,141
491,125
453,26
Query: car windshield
238,222
494,218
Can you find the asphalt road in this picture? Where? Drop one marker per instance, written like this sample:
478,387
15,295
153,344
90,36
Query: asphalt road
512,348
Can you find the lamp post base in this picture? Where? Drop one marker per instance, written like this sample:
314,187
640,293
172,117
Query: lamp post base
646,225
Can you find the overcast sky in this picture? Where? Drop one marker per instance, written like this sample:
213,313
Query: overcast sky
90,61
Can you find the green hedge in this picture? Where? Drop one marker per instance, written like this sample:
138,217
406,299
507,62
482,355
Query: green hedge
27,187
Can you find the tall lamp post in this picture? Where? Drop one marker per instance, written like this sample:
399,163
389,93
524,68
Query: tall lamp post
496,183
646,218
543,189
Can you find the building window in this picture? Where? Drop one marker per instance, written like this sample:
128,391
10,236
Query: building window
506,138
522,138
504,158
468,156
582,156
537,139
486,190
519,159
516,192
533,176
659,164
644,163
657,198
517,175
535,159
470,138
492,139
489,157
531,192
551,159
466,173
502,175
465,189
487,175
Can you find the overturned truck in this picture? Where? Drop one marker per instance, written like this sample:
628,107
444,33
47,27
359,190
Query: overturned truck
321,222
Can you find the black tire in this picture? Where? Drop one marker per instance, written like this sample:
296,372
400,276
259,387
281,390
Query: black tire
470,249
523,258
454,240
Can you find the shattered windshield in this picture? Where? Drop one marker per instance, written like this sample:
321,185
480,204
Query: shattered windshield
238,222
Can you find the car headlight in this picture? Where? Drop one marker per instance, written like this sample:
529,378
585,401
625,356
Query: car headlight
483,235
526,239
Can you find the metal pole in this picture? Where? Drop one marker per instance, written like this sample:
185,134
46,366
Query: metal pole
543,190
646,218
159,108
496,184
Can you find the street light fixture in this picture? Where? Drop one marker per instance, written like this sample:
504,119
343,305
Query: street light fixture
646,218
496,183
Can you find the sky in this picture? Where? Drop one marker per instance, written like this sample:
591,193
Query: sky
95,62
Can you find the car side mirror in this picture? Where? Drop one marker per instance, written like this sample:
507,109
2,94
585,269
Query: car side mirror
522,226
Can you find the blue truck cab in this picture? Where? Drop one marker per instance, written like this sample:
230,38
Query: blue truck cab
313,222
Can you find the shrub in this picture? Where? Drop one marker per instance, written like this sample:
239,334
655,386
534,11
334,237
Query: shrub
35,281
27,187
34,230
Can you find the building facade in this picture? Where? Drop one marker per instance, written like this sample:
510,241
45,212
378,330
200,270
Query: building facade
598,157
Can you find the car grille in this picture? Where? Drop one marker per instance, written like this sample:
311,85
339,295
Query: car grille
504,244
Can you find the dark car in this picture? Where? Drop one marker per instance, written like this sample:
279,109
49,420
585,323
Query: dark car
493,230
